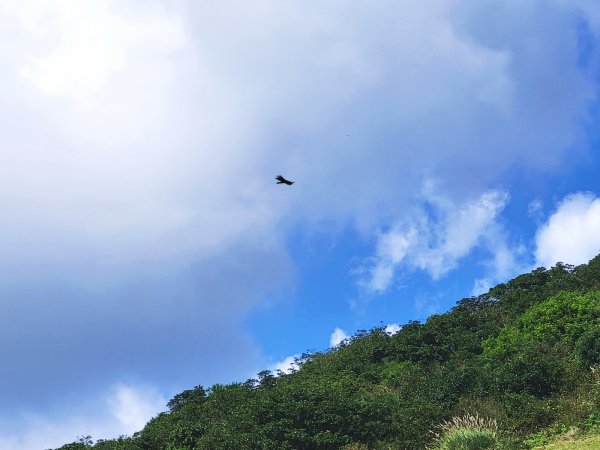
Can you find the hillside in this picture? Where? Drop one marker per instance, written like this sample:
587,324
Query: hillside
519,356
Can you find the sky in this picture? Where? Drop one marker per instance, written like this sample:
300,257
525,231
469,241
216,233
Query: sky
437,149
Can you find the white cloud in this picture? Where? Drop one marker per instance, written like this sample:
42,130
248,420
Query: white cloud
126,409
92,42
572,233
337,337
288,365
435,241
392,328
133,406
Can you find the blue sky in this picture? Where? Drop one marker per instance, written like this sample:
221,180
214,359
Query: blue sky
437,148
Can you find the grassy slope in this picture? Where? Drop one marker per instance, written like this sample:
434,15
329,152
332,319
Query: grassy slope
583,443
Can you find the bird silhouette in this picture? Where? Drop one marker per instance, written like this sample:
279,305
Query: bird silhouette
281,180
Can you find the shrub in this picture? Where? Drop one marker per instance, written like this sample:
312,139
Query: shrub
525,367
593,420
587,347
465,433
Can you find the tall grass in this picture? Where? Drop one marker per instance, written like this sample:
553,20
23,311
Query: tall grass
465,433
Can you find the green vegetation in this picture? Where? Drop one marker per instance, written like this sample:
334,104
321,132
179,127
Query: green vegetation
513,368
585,443
466,433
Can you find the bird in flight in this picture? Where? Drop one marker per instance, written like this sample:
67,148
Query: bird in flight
281,180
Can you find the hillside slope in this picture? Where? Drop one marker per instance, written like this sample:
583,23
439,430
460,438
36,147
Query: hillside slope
520,354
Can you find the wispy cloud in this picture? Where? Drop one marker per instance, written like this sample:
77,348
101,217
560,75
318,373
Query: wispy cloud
535,207
435,237
506,261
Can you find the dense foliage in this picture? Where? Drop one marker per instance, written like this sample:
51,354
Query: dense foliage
520,355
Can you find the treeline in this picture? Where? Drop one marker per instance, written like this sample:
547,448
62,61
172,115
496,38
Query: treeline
524,355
